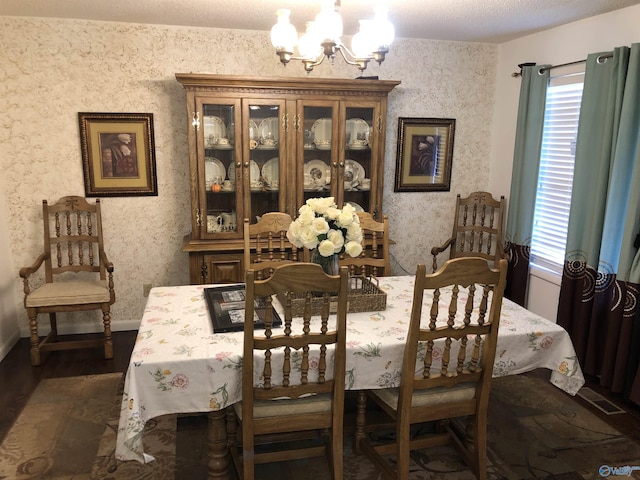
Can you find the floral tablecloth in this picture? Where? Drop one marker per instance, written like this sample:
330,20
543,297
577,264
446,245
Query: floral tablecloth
179,366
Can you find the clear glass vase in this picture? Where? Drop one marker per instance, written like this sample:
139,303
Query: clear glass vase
329,264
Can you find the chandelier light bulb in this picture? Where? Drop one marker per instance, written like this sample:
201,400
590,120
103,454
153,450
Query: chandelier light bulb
363,42
283,34
309,43
329,22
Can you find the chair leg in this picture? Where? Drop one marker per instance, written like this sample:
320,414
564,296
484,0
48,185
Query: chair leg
35,340
480,446
248,451
403,449
361,408
337,456
108,343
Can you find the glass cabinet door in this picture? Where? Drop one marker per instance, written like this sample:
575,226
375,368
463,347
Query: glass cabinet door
320,173
264,171
219,194
359,160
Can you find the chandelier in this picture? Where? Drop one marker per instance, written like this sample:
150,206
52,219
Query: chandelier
322,38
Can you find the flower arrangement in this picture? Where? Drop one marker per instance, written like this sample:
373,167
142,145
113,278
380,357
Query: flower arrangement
323,226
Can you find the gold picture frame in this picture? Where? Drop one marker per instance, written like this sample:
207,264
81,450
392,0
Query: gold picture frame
425,154
118,154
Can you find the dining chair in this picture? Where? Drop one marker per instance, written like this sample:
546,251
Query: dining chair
374,259
446,368
77,274
266,245
293,379
477,229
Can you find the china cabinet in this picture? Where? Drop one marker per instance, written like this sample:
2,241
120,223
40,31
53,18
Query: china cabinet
258,145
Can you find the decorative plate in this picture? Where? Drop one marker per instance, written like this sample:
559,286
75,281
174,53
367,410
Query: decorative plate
353,172
270,171
213,168
254,171
268,128
321,131
357,129
318,172
214,129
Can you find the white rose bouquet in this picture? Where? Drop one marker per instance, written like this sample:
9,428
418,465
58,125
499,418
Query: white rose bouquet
322,225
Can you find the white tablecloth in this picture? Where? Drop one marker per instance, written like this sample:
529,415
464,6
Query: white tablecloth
179,366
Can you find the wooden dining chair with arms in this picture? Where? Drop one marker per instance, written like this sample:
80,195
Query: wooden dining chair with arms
293,379
446,368
477,229
374,259
77,274
266,245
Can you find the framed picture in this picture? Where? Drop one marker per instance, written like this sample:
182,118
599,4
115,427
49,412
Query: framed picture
425,152
118,157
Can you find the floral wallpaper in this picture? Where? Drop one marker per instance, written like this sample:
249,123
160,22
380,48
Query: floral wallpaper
52,69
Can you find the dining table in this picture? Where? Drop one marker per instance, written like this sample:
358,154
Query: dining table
178,365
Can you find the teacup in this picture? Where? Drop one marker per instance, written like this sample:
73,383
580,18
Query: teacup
253,144
223,141
365,184
226,185
270,142
358,143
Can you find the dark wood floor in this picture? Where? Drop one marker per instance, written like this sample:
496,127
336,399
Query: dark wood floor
18,380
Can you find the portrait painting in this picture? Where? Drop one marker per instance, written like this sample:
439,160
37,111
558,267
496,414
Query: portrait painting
118,156
424,155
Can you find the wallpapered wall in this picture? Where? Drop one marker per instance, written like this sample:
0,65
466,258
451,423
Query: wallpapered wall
52,69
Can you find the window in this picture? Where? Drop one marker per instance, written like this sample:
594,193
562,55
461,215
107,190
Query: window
553,199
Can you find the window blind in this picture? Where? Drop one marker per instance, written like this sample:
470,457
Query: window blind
553,200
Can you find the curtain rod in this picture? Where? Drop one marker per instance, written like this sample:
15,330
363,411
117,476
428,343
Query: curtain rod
600,59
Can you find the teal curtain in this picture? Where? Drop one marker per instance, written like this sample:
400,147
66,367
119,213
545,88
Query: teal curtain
524,179
601,279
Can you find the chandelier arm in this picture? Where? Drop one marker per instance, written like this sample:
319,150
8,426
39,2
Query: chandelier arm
310,63
342,47
361,63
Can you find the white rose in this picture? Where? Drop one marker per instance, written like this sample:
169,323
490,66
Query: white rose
309,239
348,208
311,203
326,248
319,226
353,249
336,237
306,216
354,232
293,234
322,204
332,213
345,219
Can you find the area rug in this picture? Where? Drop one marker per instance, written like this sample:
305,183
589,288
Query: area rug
68,430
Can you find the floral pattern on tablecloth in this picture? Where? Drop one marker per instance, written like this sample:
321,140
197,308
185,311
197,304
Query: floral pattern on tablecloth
179,366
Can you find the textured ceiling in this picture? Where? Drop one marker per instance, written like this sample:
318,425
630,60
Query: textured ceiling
492,21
